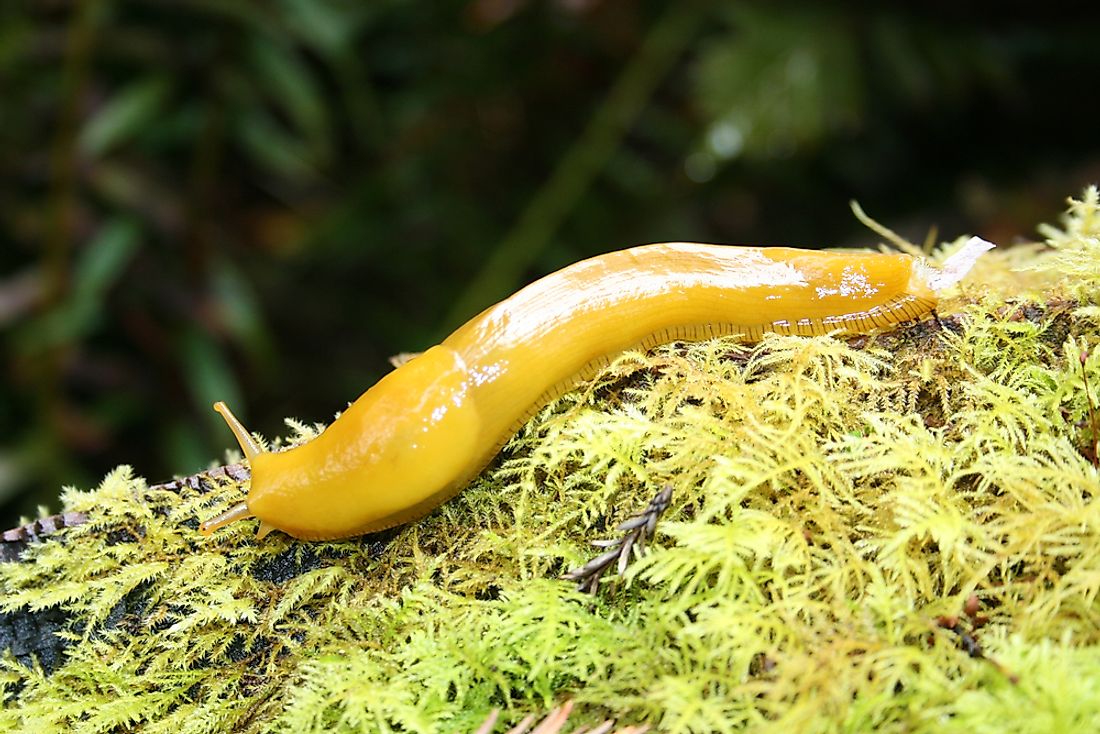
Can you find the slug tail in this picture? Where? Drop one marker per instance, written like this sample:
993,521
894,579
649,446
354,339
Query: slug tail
955,268
248,444
233,514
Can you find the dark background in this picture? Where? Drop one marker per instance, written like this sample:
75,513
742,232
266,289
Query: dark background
261,201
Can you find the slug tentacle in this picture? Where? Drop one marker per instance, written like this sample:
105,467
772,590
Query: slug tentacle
248,444
251,451
233,514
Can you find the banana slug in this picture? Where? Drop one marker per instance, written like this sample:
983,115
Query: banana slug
421,433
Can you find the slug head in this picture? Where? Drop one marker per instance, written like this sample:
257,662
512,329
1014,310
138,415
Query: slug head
406,445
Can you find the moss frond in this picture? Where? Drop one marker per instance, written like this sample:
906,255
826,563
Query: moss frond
1075,248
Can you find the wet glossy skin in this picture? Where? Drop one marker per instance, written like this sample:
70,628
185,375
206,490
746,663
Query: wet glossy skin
423,432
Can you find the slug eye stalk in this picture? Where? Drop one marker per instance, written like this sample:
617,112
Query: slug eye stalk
248,444
251,450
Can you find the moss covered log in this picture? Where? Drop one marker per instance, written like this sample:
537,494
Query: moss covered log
897,532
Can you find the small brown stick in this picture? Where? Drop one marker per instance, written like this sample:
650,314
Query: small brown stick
13,542
636,532
967,632
1092,409
35,530
553,724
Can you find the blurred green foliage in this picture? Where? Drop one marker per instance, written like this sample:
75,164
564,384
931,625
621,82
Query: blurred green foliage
260,201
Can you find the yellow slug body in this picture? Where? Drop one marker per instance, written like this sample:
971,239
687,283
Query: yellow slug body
420,434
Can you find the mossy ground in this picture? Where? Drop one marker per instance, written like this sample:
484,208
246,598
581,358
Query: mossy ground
838,506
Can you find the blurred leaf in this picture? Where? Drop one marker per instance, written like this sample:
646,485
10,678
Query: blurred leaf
104,259
898,51
272,147
127,113
187,449
12,474
293,88
241,312
324,24
250,15
15,36
18,295
61,325
778,81
101,264
209,375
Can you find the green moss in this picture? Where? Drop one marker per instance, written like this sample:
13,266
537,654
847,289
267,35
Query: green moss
834,500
